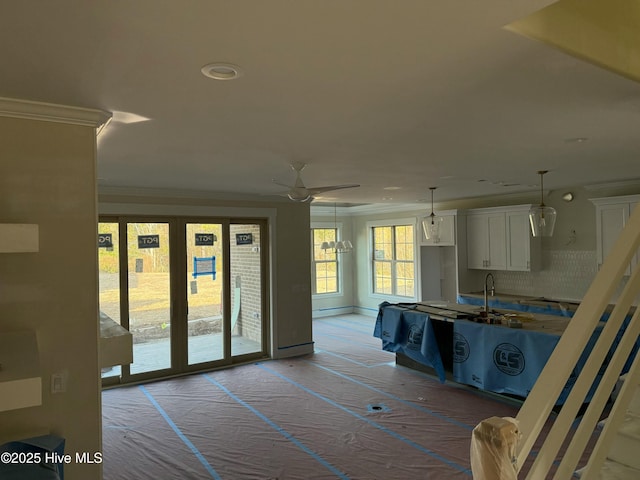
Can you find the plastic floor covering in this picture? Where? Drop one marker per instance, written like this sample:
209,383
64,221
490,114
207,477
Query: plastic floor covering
345,412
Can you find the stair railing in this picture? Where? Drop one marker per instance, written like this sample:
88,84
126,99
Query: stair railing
539,403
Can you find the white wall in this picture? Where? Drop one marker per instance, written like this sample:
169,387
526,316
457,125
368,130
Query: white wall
47,176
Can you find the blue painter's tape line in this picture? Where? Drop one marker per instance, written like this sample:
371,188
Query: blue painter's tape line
346,340
370,422
390,395
182,436
365,328
277,428
347,359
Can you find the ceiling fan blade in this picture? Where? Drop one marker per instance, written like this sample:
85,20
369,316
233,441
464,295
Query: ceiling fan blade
299,193
282,184
316,190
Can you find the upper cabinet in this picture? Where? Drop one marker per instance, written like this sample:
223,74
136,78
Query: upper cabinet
486,240
612,214
500,239
447,230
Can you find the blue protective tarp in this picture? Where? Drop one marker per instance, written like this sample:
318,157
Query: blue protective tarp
409,332
501,360
557,309
391,324
421,344
506,360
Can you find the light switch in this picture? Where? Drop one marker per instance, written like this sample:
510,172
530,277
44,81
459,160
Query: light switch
58,383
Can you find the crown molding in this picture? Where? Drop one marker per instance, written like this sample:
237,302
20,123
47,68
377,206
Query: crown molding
463,203
50,112
634,182
111,192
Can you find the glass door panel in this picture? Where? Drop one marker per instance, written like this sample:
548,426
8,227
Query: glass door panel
246,286
109,281
149,296
205,280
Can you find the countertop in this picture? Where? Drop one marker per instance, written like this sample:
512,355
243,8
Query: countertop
536,322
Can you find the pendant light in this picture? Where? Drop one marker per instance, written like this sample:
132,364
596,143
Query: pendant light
541,217
339,246
431,225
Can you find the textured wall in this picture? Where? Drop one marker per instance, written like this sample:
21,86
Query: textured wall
566,275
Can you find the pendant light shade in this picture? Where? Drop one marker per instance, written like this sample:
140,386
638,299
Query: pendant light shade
339,246
431,225
541,217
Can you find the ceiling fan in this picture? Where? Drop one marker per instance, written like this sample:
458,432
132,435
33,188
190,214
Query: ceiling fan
299,193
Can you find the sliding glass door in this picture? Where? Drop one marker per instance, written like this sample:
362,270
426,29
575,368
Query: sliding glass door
191,293
247,297
149,295
205,299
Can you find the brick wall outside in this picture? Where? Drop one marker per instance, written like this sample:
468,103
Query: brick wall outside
245,272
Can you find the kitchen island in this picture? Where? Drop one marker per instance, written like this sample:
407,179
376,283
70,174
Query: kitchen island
459,344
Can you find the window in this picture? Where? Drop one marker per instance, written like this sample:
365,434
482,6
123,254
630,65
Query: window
324,264
393,263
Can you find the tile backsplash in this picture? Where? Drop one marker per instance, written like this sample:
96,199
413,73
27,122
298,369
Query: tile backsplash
565,275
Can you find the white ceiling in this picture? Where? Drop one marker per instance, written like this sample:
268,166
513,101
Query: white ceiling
407,93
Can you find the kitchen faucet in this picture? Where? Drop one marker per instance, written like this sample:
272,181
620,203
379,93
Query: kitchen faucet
493,290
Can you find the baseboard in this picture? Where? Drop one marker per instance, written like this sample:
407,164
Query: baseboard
332,311
293,350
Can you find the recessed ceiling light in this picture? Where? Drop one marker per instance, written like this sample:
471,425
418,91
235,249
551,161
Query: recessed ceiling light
221,71
576,140
392,188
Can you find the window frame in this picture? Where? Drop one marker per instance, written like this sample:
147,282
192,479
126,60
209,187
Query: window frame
393,223
339,277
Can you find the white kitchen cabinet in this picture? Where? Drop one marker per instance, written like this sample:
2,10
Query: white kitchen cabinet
523,250
447,231
612,214
486,240
500,239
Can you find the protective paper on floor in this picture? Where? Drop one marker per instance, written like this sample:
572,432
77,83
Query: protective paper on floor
304,418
